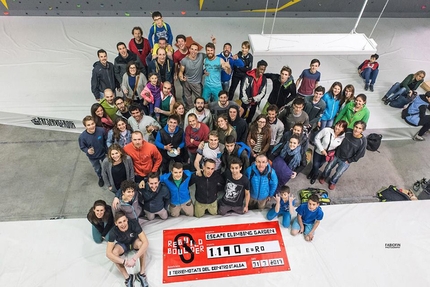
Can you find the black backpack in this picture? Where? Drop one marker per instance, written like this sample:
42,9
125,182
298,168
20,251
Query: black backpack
373,142
391,193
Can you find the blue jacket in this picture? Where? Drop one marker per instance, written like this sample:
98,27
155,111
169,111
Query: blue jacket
261,186
178,195
332,107
233,63
414,110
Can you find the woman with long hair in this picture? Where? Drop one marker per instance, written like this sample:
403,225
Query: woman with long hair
133,82
120,134
101,218
347,95
116,168
224,128
354,111
179,109
288,160
403,93
332,99
259,137
101,119
326,142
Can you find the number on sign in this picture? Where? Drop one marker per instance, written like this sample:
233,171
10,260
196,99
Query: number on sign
255,264
264,263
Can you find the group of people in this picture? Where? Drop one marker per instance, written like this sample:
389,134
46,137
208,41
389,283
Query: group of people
149,148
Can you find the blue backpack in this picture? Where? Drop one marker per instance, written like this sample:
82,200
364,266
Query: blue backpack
242,147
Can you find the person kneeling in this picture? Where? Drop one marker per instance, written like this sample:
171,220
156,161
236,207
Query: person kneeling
309,216
125,236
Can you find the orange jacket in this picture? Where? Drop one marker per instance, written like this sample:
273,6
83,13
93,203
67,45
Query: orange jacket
146,159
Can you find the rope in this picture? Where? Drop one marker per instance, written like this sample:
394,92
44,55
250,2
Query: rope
273,25
264,20
377,21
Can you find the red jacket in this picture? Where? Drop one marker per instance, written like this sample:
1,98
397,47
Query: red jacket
146,159
146,50
366,64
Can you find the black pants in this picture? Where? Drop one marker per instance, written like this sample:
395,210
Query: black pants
252,109
234,82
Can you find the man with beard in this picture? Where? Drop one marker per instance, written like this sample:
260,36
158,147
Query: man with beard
276,126
140,46
213,67
203,114
167,102
124,57
178,55
239,124
228,57
221,106
103,76
190,74
283,90
145,124
122,109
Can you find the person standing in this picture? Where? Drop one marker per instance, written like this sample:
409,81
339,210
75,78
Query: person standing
103,76
309,79
239,73
284,89
140,46
121,61
92,142
195,133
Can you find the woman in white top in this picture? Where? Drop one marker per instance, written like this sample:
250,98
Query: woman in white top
326,141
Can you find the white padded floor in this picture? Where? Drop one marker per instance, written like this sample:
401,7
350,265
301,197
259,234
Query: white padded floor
348,250
46,62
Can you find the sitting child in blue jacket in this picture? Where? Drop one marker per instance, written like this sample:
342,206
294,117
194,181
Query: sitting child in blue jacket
308,218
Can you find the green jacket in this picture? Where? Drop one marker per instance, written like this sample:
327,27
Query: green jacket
408,80
347,114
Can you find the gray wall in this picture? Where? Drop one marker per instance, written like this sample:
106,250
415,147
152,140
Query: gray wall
215,8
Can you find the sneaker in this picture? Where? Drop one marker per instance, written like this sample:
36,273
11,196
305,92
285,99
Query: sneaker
331,186
101,182
371,88
384,98
366,87
321,180
386,102
418,138
142,280
313,180
130,281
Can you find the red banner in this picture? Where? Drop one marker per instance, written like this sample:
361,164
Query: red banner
223,251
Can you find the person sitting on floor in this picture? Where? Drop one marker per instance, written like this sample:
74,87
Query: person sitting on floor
283,207
156,197
415,114
309,216
124,237
101,218
369,70
404,92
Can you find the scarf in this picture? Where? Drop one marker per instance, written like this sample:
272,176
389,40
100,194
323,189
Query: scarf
296,156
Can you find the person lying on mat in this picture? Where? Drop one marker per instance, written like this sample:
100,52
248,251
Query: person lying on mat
404,90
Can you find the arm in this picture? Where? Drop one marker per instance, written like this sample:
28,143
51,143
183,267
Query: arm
157,160
158,142
300,221
247,198
181,74
150,36
244,94
226,66
406,82
117,72
273,183
311,233
341,114
197,161
94,85
279,134
261,95
299,80
278,203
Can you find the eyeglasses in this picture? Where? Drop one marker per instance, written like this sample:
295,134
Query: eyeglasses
261,122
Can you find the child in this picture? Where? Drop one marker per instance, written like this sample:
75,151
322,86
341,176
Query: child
308,218
284,206
159,29
92,142
152,94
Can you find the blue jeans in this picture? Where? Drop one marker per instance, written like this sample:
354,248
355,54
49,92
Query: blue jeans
97,165
97,236
395,91
369,75
317,161
286,216
342,166
327,123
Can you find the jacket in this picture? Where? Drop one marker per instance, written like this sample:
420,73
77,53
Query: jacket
247,90
408,81
154,201
226,158
146,50
233,64
417,109
240,72
155,67
240,125
261,186
207,187
125,85
366,64
314,111
107,171
178,195
351,149
177,138
120,65
265,142
332,107
347,114
103,77
145,159
281,94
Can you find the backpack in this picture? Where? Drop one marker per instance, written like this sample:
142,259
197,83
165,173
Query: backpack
322,194
373,142
391,193
242,147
